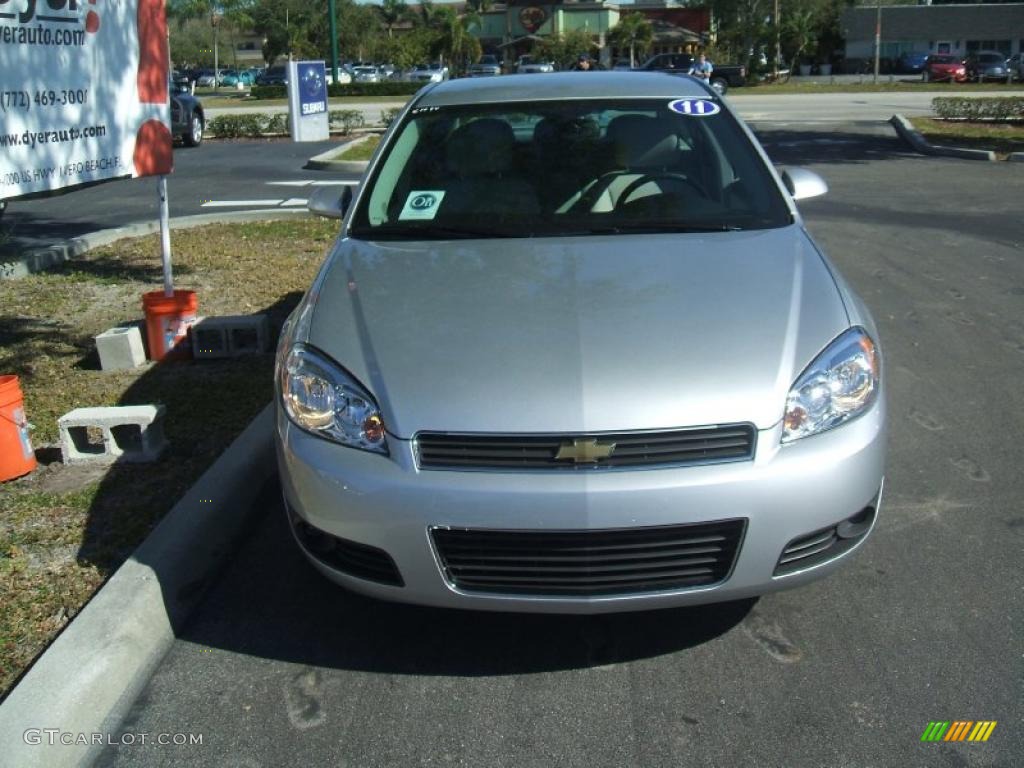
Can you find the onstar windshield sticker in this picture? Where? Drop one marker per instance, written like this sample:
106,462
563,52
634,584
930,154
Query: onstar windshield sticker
422,204
695,107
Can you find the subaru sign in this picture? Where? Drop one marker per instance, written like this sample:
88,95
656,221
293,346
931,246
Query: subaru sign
307,100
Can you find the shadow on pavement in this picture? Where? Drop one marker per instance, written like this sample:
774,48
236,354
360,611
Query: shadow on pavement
272,604
208,403
813,147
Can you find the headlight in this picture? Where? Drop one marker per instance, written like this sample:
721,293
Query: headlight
324,400
839,385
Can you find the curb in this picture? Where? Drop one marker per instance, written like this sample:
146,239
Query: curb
31,259
85,682
325,160
909,134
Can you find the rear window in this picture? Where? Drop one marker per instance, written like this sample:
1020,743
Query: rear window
567,168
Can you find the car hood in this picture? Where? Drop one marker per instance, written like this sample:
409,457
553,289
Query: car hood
578,334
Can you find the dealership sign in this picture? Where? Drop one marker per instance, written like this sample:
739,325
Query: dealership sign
84,92
307,100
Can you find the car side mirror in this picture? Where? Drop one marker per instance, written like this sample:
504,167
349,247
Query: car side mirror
330,203
803,184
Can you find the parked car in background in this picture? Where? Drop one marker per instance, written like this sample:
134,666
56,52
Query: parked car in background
650,449
531,65
273,76
388,71
621,65
188,119
1016,66
986,65
911,63
366,73
344,75
435,72
488,66
205,78
941,67
231,78
723,76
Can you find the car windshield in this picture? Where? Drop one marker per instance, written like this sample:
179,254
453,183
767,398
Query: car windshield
991,58
567,168
945,59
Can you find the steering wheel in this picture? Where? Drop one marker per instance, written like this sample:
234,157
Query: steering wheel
647,178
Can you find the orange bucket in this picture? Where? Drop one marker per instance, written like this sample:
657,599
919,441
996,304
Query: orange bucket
16,455
167,322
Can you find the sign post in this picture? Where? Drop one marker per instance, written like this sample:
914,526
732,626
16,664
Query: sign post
307,101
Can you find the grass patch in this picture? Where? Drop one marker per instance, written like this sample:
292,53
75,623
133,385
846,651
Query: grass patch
362,150
64,530
1002,138
899,86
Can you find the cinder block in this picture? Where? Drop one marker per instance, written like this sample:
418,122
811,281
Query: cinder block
120,348
229,336
133,433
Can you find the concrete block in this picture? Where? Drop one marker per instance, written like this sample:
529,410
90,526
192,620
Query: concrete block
120,348
229,336
132,433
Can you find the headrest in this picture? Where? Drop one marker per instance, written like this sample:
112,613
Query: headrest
644,142
481,147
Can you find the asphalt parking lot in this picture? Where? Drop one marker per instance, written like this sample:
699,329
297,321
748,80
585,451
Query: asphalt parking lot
279,667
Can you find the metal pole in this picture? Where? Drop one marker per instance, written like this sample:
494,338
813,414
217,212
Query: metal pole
778,46
878,36
165,237
334,41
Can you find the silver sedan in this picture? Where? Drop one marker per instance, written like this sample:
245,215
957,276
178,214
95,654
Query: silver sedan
574,351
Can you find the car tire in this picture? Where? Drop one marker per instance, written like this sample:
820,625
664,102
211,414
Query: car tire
194,136
720,84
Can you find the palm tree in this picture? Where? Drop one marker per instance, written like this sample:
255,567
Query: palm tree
425,14
391,12
633,31
454,38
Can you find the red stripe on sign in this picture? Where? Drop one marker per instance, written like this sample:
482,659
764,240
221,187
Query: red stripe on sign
153,149
153,56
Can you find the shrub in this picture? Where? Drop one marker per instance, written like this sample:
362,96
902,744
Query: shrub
388,116
347,119
991,108
237,126
392,88
277,123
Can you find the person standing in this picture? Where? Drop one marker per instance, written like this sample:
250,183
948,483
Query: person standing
701,68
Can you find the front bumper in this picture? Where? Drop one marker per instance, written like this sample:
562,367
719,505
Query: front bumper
785,493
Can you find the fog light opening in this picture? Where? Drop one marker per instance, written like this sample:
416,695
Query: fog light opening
856,526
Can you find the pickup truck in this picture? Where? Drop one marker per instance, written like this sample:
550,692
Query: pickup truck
722,75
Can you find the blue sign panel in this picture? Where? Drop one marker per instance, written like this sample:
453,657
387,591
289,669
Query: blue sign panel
312,84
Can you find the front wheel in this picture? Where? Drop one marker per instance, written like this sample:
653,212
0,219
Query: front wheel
194,137
720,84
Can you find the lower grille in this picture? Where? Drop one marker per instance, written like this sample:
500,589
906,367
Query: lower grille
589,563
819,547
704,445
349,557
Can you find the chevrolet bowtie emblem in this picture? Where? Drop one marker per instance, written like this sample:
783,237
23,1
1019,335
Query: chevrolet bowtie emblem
584,451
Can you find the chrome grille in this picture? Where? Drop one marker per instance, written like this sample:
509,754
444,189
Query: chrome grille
589,563
441,450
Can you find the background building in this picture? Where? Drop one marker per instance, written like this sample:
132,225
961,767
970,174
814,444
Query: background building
955,29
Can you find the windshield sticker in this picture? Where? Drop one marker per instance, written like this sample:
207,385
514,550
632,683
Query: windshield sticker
422,204
695,107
